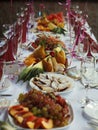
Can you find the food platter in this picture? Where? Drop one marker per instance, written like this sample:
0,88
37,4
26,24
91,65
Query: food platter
11,120
58,83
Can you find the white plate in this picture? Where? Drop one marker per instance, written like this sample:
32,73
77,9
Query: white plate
91,110
59,128
6,85
50,74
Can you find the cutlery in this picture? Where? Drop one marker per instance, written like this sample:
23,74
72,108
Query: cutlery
5,95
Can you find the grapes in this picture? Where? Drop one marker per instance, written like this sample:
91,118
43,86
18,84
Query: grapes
46,105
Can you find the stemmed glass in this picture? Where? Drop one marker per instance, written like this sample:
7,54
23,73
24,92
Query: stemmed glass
87,76
82,48
94,53
7,30
3,49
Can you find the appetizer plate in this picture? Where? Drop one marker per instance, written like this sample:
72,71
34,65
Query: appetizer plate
52,82
11,121
91,110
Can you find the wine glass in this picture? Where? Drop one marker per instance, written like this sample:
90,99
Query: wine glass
41,11
82,48
4,102
3,49
7,30
94,53
87,76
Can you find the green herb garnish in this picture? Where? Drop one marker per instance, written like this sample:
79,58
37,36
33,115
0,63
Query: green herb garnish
59,30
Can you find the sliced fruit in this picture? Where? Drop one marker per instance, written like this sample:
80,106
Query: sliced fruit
38,65
47,64
18,108
29,121
30,124
31,71
47,124
34,72
38,122
24,73
30,60
19,119
51,25
39,52
27,114
58,67
60,55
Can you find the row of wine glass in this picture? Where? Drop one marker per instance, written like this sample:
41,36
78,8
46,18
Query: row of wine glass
13,38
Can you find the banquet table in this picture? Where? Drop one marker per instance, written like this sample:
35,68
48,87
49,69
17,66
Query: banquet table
80,120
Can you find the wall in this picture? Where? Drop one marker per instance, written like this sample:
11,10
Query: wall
8,14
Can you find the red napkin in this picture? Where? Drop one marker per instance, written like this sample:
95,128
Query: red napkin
91,41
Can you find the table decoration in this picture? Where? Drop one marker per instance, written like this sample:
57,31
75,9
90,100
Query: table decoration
53,61
53,22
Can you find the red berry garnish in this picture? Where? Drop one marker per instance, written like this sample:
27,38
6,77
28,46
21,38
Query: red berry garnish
52,53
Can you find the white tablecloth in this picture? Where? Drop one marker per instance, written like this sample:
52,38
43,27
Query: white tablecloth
74,97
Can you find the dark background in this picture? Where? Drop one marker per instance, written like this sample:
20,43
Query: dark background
8,12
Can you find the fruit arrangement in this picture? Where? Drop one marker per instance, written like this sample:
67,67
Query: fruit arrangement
50,111
55,61
51,22
49,42
49,55
26,119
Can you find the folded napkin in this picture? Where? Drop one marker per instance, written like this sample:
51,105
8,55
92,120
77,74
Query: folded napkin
91,41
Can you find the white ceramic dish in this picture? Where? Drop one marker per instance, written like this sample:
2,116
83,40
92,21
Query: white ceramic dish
56,75
59,128
91,110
